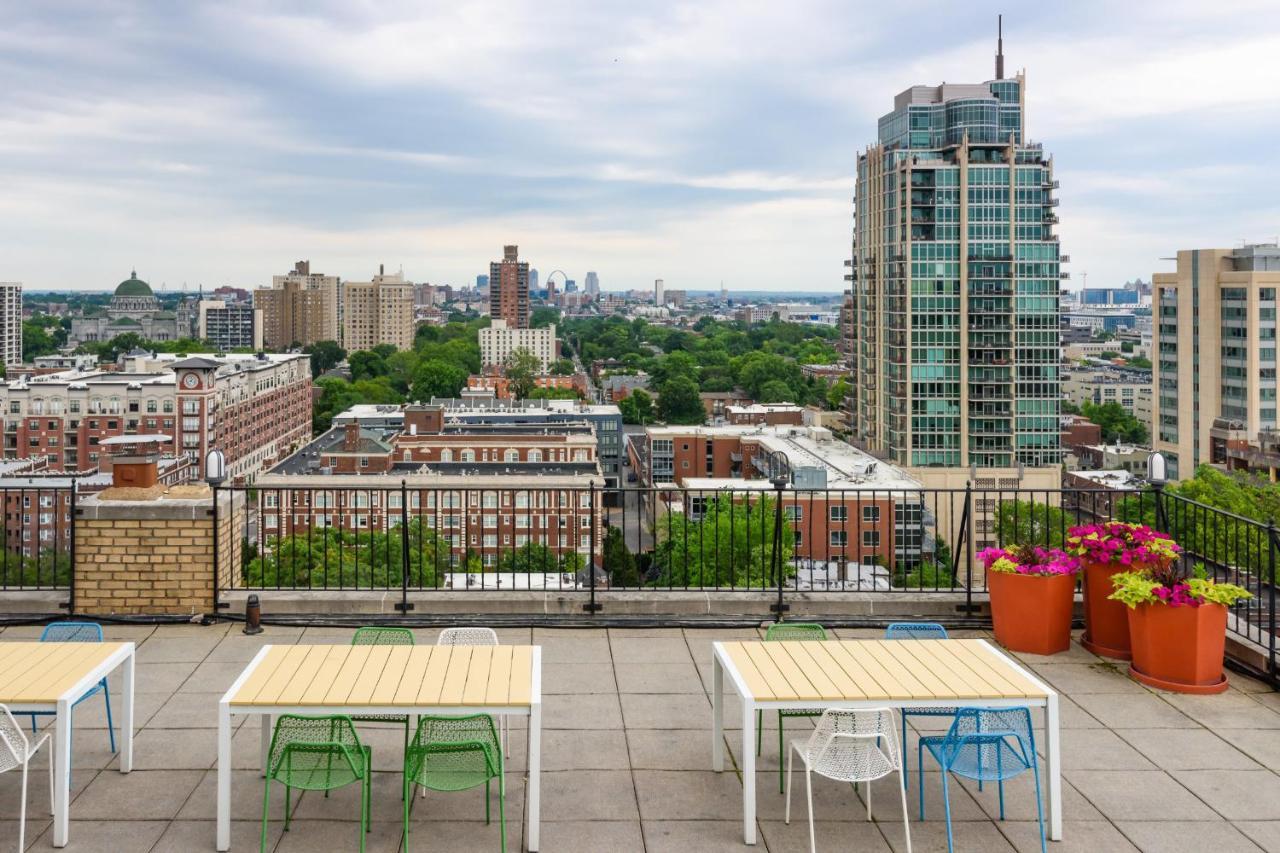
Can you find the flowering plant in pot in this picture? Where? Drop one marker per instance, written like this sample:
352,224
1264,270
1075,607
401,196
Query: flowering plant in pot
1032,592
1105,550
1178,626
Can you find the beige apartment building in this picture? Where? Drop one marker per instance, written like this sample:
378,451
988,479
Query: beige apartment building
10,323
1214,372
378,312
300,308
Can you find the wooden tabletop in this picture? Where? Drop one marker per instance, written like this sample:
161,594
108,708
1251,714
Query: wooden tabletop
409,676
834,670
39,673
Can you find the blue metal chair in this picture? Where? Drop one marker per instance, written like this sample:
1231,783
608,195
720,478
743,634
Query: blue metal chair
991,744
78,632
916,631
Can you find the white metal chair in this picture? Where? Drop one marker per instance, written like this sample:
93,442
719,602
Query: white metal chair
850,746
17,751
476,636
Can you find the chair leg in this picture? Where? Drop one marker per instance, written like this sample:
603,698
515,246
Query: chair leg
22,808
486,802
808,793
1035,771
1000,780
787,814
502,808
906,766
868,799
906,822
780,748
920,776
406,800
111,729
51,794
288,806
946,805
363,829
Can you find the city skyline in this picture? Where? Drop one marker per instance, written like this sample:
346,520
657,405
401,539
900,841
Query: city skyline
158,139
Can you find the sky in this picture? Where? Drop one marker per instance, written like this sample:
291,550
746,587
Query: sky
703,142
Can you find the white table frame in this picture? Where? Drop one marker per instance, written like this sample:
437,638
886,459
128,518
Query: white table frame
226,708
722,663
62,710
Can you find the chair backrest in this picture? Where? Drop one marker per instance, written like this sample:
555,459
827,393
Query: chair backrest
783,631
467,637
975,727
13,742
848,738
915,631
336,731
379,636
71,632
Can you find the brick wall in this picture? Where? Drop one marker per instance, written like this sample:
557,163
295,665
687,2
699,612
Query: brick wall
153,557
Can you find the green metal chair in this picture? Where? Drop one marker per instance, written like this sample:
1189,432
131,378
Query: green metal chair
317,754
455,754
378,636
780,632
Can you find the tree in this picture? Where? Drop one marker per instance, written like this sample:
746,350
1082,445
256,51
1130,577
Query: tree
543,316
678,363
776,391
637,407
1126,346
436,378
619,562
325,355
554,394
730,544
1070,408
401,366
366,365
1139,361
571,562
563,367
1116,422
837,393
338,395
522,369
1108,355
36,341
529,557
679,403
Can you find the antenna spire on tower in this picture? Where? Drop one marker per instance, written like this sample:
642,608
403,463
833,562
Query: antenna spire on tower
1000,47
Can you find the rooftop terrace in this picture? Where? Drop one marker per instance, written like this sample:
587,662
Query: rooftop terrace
626,761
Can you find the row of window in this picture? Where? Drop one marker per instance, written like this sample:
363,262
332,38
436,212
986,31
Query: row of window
839,513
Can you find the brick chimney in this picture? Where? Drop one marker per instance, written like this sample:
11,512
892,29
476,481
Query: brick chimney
351,437
134,460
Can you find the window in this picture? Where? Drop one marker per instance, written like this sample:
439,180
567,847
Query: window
446,455
871,539
799,538
190,407
491,540
491,521
871,514
468,456
168,407
839,513
534,456
793,513
74,407
364,461
511,455
151,407
839,538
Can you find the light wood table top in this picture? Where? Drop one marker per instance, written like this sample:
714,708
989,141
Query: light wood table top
40,673
408,676
896,670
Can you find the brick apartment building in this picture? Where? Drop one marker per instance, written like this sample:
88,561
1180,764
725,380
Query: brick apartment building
844,505
255,408
764,414
487,488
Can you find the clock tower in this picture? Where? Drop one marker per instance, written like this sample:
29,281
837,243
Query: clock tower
197,408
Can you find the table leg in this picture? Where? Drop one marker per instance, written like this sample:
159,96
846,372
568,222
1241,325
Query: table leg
535,773
62,773
266,743
224,776
126,726
1053,766
748,771
717,714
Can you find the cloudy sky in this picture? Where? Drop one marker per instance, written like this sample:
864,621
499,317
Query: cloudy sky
698,142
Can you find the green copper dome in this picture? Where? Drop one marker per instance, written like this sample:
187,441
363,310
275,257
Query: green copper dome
133,286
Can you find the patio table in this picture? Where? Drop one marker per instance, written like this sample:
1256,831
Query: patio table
873,674
51,677
403,680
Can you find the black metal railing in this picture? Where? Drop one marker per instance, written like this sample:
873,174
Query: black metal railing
753,538
37,548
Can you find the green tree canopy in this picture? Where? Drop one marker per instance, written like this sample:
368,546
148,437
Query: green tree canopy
679,403
325,355
436,377
1116,422
730,544
637,407
522,370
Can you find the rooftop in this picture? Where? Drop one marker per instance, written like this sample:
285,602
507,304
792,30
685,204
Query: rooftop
626,762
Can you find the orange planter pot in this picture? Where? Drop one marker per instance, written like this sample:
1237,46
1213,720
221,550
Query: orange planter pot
1179,648
1032,613
1106,623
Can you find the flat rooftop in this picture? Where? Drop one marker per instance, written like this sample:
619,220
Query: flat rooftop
626,762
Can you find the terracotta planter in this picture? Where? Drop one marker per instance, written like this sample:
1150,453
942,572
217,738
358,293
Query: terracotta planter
1032,613
1179,648
1106,623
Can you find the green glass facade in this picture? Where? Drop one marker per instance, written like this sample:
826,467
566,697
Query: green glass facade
955,336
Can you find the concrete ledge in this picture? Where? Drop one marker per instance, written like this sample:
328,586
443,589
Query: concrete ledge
28,602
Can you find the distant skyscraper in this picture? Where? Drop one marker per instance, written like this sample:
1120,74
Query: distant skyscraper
954,338
11,323
301,307
509,289
378,312
593,284
482,282
659,297
570,286
533,280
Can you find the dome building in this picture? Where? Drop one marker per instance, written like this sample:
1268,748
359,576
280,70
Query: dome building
134,308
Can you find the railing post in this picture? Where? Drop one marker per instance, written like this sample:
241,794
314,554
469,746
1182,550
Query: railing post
70,603
592,606
1162,518
963,541
217,550
1271,600
779,607
403,605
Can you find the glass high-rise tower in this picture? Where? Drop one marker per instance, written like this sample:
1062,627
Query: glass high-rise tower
953,333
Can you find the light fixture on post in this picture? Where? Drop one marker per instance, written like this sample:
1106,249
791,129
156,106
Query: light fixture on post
1157,476
215,467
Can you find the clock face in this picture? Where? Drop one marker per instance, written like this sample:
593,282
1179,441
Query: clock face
190,380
